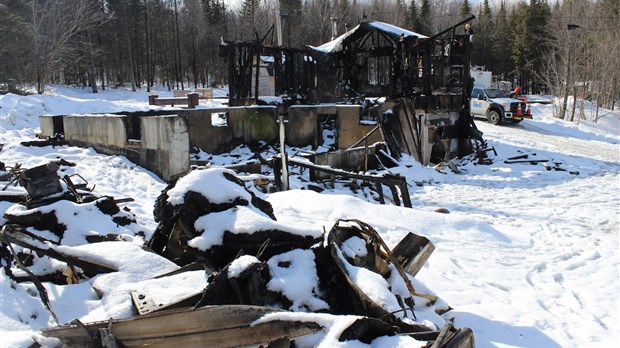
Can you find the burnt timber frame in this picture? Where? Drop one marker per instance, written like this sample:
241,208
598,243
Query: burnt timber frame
402,66
371,60
392,181
294,70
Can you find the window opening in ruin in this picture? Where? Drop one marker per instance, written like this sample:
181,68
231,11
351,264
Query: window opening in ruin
368,118
219,119
379,70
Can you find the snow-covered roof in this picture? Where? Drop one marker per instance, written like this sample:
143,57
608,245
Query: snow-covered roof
389,29
394,30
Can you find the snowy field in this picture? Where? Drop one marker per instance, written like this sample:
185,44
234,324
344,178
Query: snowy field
527,257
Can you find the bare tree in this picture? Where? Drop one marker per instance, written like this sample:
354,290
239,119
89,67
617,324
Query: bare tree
582,61
56,27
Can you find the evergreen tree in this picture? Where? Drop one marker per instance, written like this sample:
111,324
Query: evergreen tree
290,11
539,13
426,22
501,43
484,38
401,13
412,21
249,9
16,39
214,11
376,9
521,50
465,10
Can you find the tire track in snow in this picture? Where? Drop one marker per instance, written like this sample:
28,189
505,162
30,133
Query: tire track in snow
570,222
531,135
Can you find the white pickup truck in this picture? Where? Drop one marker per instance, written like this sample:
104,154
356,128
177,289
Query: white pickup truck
496,107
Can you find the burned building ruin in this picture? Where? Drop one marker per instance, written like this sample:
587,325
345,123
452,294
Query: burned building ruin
426,77
382,91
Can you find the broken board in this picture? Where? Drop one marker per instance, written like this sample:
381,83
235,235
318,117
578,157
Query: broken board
412,252
209,326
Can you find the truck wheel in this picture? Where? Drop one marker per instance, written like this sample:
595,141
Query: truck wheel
494,117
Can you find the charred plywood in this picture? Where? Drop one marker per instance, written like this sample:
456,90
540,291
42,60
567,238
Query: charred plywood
404,130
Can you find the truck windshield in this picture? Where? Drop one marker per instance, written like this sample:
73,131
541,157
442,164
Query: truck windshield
493,93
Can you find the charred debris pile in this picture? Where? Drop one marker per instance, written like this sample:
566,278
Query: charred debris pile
209,223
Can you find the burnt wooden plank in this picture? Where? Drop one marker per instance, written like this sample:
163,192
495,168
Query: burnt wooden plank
462,338
412,252
210,326
191,100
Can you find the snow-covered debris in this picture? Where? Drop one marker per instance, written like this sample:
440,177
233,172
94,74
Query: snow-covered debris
209,216
517,258
69,223
210,212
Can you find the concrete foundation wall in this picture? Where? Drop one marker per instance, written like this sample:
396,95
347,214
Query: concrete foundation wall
50,126
304,128
244,125
164,145
46,123
106,133
165,140
354,160
350,130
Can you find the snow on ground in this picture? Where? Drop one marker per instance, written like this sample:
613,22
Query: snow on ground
528,256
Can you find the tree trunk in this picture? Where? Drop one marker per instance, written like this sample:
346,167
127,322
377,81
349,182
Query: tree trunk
146,38
562,114
176,20
131,64
92,72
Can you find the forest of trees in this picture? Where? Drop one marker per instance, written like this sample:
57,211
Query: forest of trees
560,47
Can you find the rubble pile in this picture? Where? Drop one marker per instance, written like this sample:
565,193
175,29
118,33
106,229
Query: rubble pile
257,272
209,216
56,212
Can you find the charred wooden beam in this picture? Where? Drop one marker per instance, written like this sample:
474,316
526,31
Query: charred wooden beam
364,137
16,234
13,197
389,180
